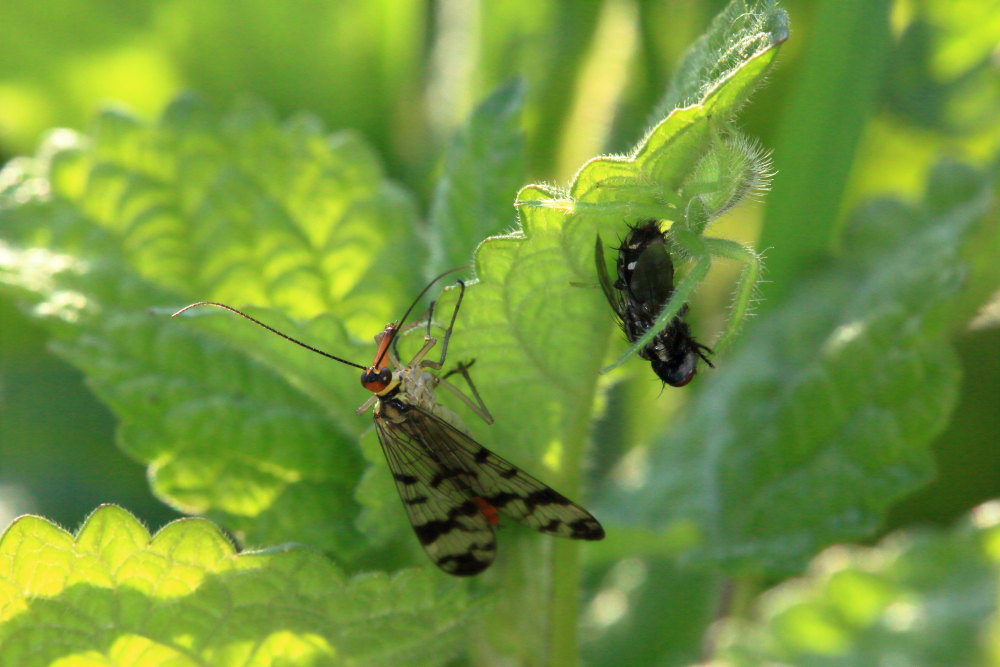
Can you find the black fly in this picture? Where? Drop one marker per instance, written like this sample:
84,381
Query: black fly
645,284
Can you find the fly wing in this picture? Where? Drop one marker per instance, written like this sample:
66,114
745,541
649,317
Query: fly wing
504,486
613,295
651,282
449,523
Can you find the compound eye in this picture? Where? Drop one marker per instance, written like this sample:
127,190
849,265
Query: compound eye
674,373
681,380
684,372
376,381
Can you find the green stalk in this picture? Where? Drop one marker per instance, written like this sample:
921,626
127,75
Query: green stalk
564,607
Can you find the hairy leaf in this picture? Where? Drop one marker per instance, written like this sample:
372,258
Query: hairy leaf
106,234
824,416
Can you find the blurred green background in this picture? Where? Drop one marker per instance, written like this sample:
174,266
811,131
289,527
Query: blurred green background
868,94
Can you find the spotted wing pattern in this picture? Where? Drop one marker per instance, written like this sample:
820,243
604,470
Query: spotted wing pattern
452,488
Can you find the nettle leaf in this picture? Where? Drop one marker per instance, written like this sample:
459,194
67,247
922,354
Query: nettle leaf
824,416
107,235
250,431
112,594
538,336
738,34
925,598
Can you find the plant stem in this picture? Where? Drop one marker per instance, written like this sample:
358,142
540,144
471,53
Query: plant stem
565,564
565,604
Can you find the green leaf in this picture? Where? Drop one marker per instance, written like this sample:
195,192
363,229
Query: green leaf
537,337
114,595
738,34
239,208
231,207
824,416
483,168
660,177
918,598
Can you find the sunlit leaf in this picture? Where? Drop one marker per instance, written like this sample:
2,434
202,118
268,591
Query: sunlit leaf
112,594
107,235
